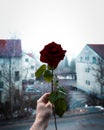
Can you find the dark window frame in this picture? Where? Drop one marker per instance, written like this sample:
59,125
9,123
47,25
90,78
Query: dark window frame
17,76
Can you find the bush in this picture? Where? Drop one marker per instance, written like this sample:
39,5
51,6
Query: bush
92,99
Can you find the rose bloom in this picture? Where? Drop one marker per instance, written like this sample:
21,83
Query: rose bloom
52,54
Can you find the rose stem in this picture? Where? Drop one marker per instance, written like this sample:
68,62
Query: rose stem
53,107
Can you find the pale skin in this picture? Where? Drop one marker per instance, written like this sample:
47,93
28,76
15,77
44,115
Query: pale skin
43,113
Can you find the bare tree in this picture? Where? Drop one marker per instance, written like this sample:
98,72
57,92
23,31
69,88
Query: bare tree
99,73
9,63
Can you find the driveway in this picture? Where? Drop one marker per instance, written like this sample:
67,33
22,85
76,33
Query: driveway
77,99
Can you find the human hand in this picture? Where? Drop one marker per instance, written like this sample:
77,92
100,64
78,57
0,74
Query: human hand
43,113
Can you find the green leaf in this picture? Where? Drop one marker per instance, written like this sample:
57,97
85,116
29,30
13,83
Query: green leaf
48,76
53,97
40,71
58,99
60,107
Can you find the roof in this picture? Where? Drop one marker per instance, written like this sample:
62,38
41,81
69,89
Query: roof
10,48
98,48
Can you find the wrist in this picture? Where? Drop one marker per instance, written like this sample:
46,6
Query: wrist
39,124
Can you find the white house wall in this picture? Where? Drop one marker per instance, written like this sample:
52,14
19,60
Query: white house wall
27,71
85,75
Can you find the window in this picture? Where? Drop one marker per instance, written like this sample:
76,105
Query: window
32,75
87,69
26,60
32,67
81,58
16,75
87,82
87,58
94,60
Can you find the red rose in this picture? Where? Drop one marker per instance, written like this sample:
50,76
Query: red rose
52,54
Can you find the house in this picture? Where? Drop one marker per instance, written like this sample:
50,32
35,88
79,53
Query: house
17,68
90,77
10,67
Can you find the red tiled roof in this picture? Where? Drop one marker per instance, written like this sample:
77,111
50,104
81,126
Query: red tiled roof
98,48
10,48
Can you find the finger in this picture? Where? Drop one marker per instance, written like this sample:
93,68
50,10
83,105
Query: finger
49,104
44,98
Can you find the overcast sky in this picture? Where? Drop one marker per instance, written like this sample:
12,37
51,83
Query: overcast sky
71,23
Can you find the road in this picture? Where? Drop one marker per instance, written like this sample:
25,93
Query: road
86,122
81,122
